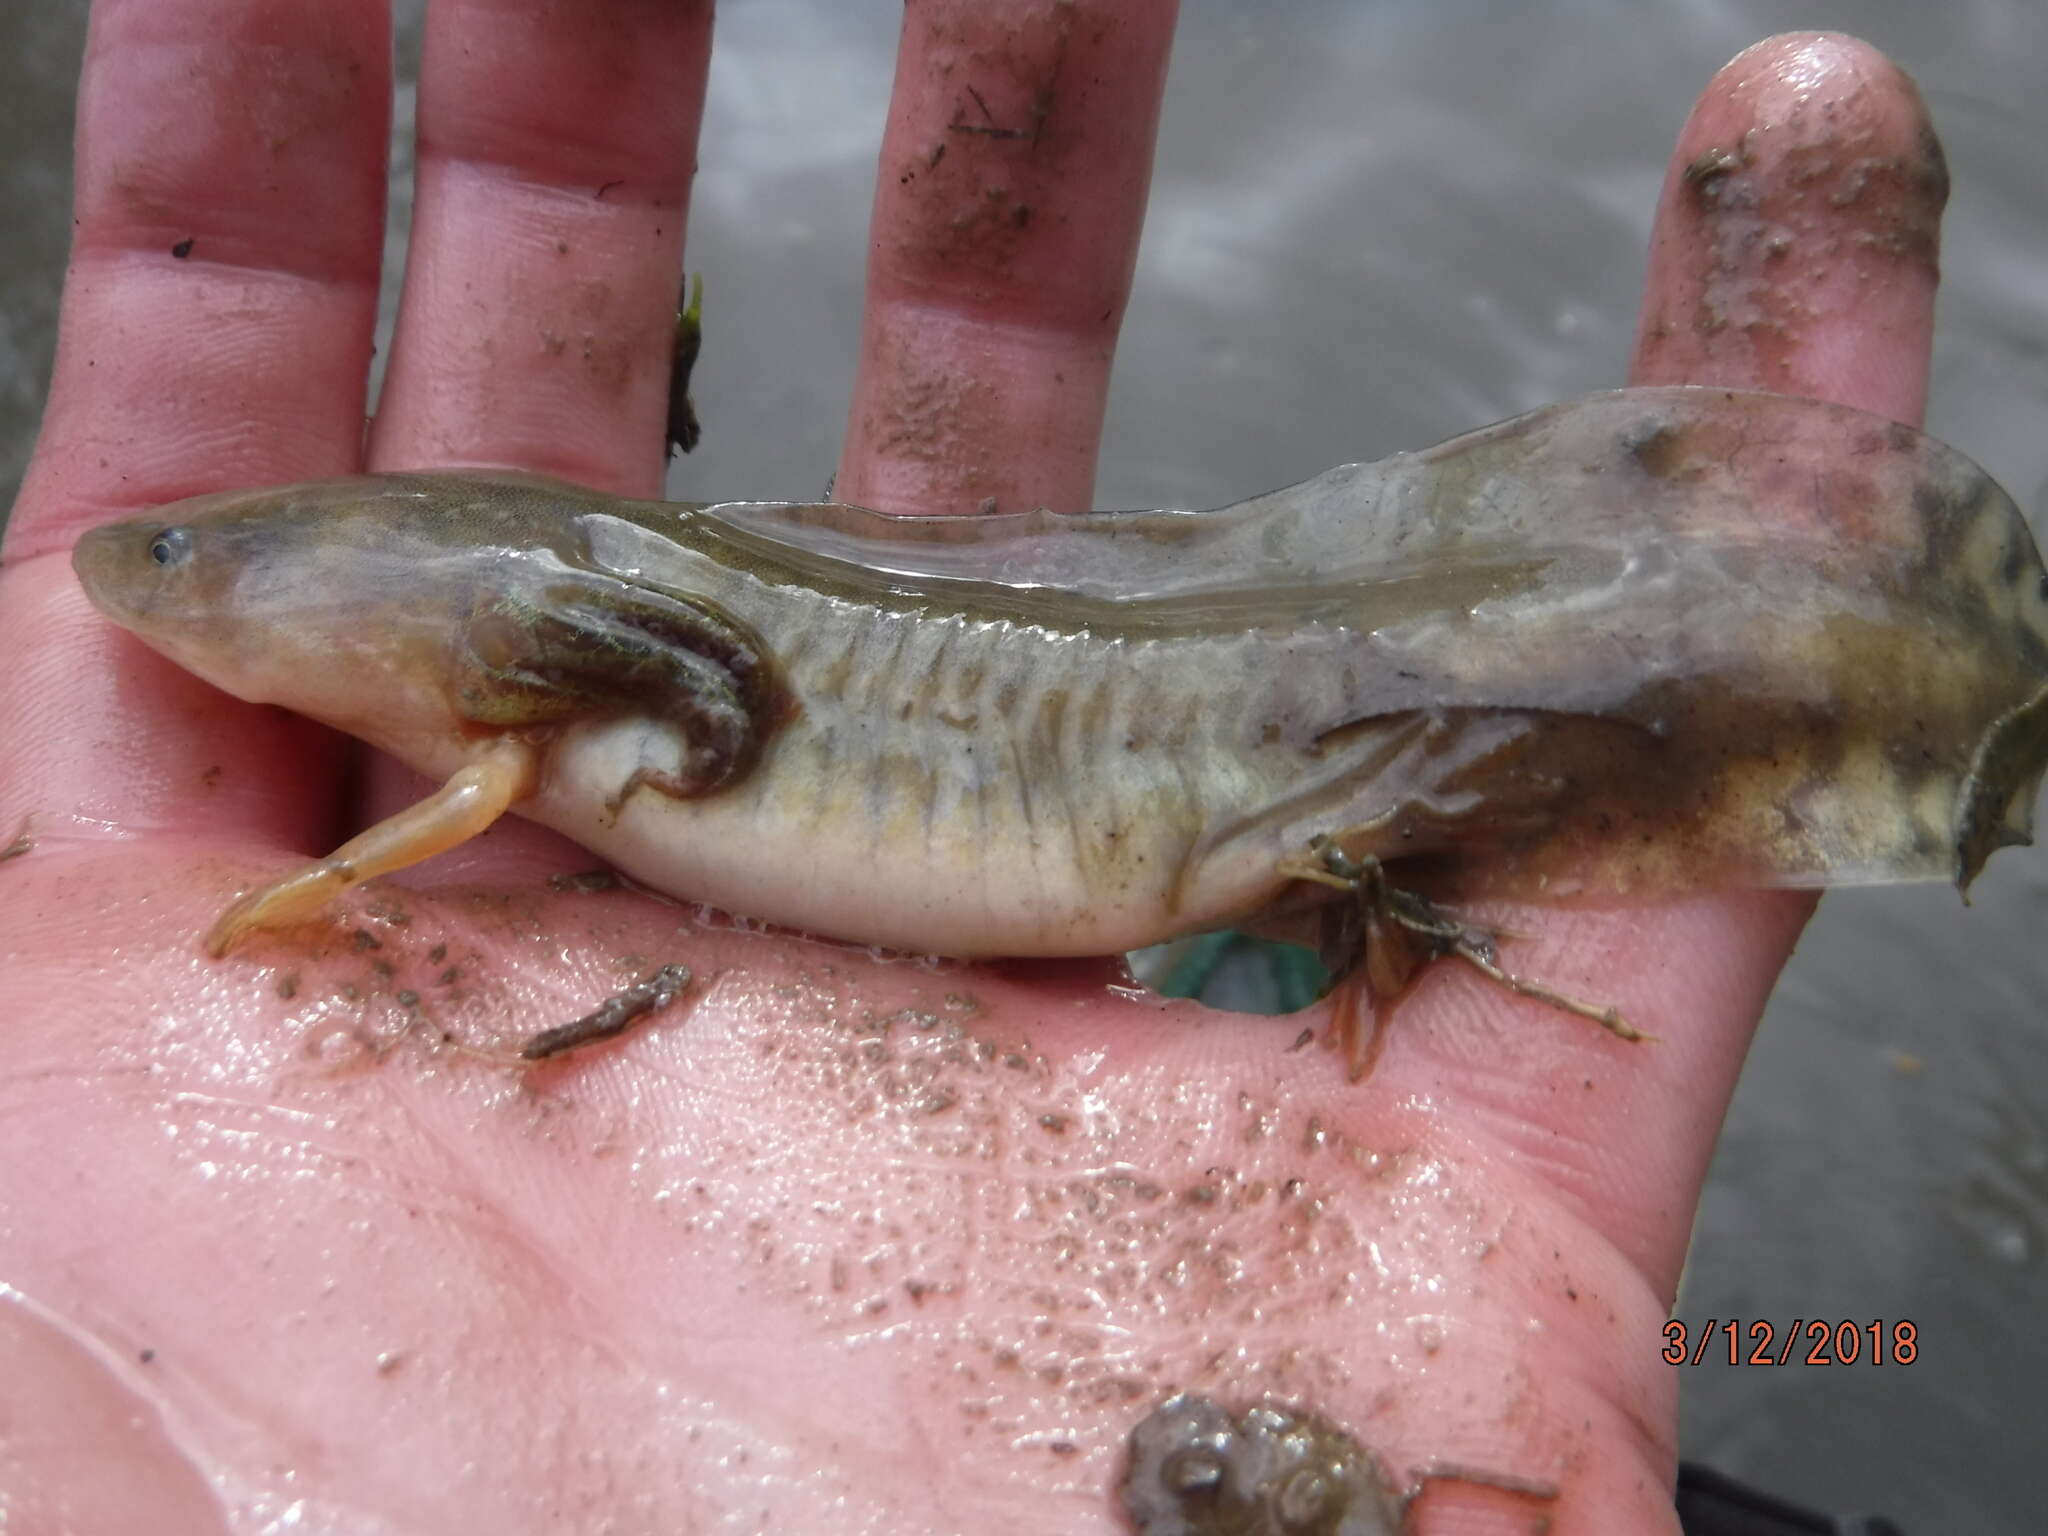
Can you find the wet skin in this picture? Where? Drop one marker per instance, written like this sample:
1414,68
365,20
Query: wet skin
853,1244
1552,656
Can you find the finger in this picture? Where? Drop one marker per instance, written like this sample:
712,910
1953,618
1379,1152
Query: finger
535,330
1797,237
556,149
1010,194
1794,250
215,332
228,225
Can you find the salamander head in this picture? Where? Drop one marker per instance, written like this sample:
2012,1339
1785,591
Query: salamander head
333,599
421,611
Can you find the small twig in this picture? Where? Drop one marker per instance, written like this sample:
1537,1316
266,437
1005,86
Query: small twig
1609,1019
612,1017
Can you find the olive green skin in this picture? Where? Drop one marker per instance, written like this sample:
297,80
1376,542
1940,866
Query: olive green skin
1634,643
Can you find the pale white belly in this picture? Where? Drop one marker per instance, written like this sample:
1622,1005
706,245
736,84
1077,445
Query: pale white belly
903,853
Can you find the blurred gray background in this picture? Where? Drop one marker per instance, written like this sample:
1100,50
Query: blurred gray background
1375,225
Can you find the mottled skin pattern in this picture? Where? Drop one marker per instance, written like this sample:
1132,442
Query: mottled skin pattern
1552,656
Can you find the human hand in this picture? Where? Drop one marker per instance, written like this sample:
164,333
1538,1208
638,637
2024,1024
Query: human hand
914,1247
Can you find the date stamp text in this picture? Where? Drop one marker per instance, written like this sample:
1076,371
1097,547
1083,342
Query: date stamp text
1879,1341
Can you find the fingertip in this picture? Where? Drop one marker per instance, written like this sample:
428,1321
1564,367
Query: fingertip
1797,237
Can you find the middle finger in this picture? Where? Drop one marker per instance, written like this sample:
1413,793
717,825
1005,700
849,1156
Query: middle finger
556,149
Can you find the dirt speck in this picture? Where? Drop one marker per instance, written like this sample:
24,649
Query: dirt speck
22,841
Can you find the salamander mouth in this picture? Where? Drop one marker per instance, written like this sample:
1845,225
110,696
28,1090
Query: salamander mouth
103,559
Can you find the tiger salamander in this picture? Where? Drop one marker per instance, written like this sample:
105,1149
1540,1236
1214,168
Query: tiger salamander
1645,641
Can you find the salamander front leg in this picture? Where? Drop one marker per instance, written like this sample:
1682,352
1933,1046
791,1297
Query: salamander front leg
1386,936
468,803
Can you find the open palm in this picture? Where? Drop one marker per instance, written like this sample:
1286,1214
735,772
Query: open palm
842,1243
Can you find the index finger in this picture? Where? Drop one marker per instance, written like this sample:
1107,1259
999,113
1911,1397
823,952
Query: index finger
215,331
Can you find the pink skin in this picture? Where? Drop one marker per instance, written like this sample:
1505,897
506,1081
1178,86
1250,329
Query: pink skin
766,1261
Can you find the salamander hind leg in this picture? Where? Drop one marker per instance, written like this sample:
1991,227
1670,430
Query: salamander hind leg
1379,940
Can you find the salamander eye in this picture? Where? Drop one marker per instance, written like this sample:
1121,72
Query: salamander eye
171,547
